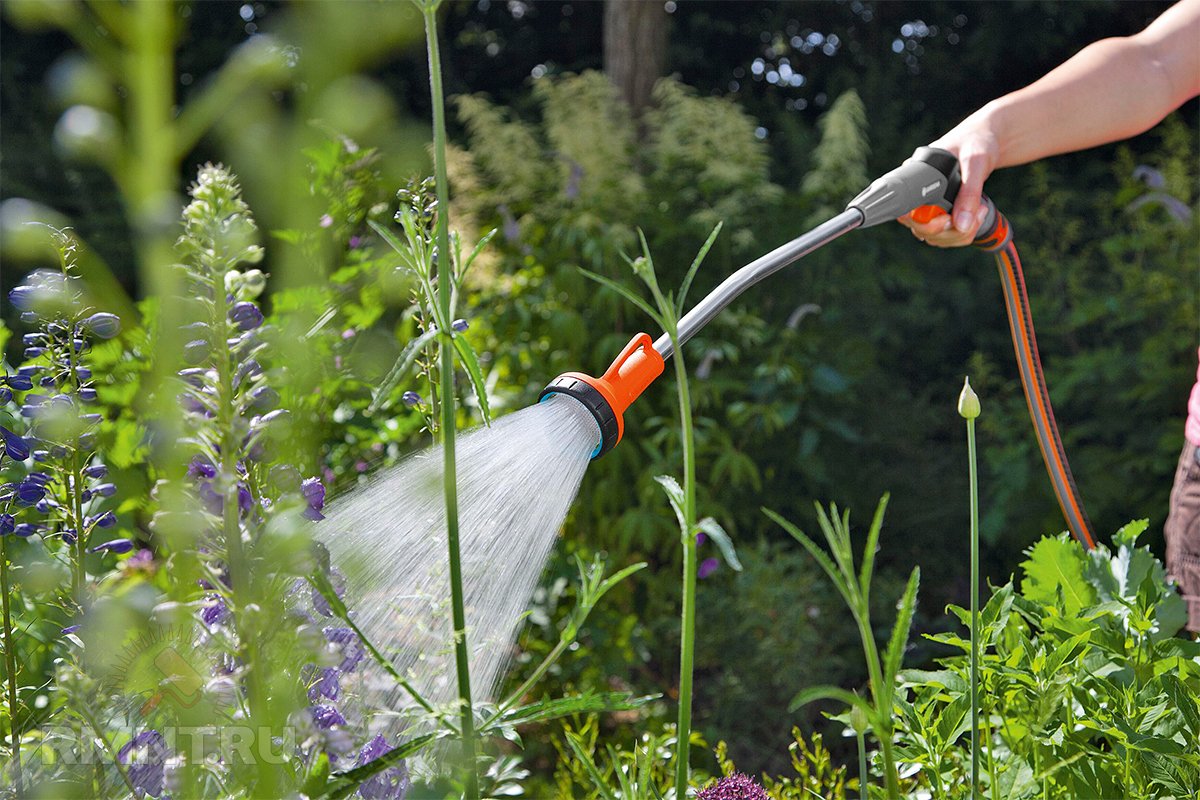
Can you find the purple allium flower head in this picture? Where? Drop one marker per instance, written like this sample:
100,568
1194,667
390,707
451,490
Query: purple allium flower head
314,494
103,325
734,787
326,716
410,398
114,546
392,783
145,755
246,316
15,446
460,325
707,567
19,382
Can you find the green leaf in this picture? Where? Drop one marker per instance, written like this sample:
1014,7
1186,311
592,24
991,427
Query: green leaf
819,555
954,720
815,693
675,495
691,273
588,703
318,776
482,243
868,559
1055,565
467,354
718,535
398,371
896,645
585,759
628,294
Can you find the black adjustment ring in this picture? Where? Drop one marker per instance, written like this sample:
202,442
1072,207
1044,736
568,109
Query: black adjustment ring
594,402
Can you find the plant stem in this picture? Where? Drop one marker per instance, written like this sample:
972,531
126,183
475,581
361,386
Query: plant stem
974,479
687,636
862,766
10,666
99,731
449,477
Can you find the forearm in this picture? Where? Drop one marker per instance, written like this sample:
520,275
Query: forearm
1111,90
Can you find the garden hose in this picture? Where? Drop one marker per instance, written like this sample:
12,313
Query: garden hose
925,185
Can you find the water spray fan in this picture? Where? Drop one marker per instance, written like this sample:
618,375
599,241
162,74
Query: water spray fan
925,185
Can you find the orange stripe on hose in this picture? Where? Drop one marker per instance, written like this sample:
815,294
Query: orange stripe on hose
1020,322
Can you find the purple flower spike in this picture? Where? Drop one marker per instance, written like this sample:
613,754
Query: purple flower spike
326,716
245,316
392,783
103,325
707,567
114,546
15,446
201,467
325,686
215,612
734,787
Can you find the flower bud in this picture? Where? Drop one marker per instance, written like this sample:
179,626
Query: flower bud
968,401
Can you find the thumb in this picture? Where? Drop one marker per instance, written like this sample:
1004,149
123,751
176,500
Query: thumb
975,171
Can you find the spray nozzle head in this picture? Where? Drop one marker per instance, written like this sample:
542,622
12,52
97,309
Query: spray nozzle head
608,396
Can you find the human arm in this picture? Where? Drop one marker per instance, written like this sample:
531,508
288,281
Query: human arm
1110,90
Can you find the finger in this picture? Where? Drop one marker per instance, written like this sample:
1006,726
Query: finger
966,205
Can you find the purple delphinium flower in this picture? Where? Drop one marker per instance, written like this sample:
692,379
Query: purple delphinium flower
201,467
215,612
326,685
460,325
8,524
348,645
314,495
17,447
410,398
392,783
326,716
113,546
707,567
245,316
27,529
103,325
144,755
734,787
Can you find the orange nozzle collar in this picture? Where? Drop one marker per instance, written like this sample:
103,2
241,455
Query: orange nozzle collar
608,396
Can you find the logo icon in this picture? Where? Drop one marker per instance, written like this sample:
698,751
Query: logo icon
155,666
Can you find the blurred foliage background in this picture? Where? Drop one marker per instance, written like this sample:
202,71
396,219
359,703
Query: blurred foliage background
836,380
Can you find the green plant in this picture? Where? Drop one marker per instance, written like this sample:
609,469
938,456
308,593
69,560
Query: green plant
1086,693
666,312
968,409
855,587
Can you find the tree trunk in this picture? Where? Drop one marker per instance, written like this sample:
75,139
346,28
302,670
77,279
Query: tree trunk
635,45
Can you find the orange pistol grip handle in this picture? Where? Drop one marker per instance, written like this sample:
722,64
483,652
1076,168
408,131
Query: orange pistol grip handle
986,237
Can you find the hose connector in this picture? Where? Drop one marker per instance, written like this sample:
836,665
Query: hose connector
608,396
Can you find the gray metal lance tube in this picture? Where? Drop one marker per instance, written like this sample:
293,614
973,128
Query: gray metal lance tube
716,300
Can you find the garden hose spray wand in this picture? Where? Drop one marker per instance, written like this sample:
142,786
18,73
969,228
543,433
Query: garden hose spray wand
925,185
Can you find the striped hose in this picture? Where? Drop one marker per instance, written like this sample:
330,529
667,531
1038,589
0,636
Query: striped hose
1020,323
